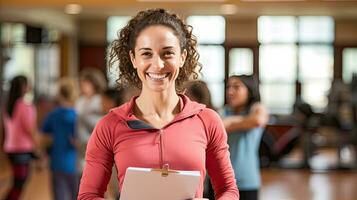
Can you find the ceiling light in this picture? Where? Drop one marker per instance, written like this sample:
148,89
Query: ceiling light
178,1
229,9
73,9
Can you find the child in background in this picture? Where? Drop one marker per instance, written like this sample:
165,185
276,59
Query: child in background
59,137
21,137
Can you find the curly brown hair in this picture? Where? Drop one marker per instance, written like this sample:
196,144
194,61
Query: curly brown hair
121,47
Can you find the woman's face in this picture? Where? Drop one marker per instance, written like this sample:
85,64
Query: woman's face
26,88
157,58
87,87
237,93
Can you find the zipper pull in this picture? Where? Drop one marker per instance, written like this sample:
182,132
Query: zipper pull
158,138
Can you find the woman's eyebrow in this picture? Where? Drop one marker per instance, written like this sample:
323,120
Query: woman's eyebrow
168,47
144,49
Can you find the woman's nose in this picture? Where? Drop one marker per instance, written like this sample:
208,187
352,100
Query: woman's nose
230,91
158,62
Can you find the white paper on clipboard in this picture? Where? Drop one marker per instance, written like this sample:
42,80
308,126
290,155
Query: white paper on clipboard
149,184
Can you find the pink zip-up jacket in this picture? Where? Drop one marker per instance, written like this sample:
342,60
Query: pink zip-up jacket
194,140
18,128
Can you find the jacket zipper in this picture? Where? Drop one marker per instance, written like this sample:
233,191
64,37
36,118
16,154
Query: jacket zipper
161,151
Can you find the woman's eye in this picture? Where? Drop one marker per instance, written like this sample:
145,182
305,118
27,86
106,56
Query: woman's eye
169,53
146,54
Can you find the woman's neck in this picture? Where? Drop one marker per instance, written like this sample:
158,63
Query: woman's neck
65,104
159,104
239,109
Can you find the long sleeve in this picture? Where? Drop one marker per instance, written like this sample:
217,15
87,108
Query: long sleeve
99,162
217,157
27,116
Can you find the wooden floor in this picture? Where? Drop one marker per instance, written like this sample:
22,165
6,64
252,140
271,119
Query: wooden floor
285,184
278,184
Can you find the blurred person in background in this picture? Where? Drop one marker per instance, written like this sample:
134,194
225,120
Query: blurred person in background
21,137
157,53
244,118
89,105
59,138
113,98
198,91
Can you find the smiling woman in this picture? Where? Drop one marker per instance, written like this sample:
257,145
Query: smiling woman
157,53
157,58
124,45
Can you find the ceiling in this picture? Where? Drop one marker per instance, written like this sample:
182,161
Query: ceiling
244,8
50,13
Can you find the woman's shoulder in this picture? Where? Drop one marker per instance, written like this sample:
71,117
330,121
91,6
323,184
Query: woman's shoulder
258,105
24,104
209,115
114,117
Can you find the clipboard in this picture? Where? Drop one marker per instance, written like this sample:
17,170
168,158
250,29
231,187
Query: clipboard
159,184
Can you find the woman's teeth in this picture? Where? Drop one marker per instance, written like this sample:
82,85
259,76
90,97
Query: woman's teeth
157,77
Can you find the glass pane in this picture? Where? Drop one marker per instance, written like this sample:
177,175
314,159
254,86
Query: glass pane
21,63
349,63
241,61
277,29
316,61
316,29
314,92
212,60
12,33
114,24
47,69
278,98
217,93
208,29
277,63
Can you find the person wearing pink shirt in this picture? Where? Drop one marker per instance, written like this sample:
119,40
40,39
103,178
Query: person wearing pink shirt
156,52
20,125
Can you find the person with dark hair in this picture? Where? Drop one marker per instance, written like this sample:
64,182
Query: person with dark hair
115,97
198,91
244,119
21,139
161,127
112,98
59,137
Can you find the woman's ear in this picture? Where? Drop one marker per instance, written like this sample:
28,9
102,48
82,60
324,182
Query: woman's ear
132,58
183,57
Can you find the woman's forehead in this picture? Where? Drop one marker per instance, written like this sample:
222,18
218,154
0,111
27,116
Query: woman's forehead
157,35
234,80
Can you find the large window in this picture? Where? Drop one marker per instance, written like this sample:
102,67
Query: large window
114,25
211,52
295,49
38,62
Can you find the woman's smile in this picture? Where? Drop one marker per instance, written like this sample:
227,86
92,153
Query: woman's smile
157,76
